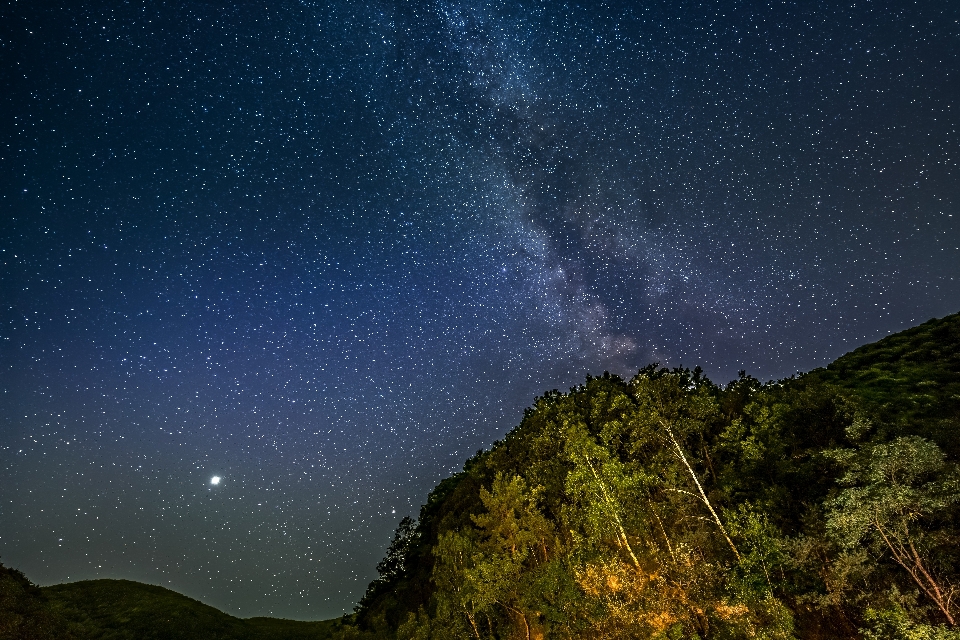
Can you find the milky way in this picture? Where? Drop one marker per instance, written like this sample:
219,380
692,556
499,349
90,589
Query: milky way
326,251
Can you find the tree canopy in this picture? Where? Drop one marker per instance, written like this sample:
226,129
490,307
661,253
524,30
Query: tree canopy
667,506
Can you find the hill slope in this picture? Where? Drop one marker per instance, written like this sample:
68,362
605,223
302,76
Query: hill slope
127,610
825,506
911,379
123,609
822,506
26,613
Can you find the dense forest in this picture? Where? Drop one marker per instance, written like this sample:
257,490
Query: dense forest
666,506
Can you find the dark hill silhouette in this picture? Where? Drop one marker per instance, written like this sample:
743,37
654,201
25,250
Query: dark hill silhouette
128,610
823,506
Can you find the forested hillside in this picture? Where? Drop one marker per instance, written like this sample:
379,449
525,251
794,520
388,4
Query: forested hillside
823,506
665,506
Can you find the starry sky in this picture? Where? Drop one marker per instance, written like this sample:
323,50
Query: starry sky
325,251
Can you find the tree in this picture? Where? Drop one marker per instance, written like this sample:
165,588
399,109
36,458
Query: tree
674,405
393,566
494,565
892,492
597,485
394,563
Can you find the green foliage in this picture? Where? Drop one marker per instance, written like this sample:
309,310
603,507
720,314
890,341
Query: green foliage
894,494
823,506
393,568
910,381
494,569
26,613
895,624
889,488
668,507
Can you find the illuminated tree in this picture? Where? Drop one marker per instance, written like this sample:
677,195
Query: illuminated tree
892,491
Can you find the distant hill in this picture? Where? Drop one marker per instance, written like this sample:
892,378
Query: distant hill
127,610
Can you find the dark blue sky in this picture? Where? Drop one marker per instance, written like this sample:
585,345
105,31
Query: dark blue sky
328,250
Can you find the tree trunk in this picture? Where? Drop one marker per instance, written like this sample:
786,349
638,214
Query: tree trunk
473,624
908,558
703,495
522,616
613,508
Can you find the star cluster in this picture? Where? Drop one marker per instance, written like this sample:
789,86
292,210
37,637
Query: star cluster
325,251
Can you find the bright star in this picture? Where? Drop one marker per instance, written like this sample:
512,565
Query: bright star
215,480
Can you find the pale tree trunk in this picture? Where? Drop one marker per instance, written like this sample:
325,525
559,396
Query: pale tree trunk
907,557
678,450
663,530
473,624
616,517
523,618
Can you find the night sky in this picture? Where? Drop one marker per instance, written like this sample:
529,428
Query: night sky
325,251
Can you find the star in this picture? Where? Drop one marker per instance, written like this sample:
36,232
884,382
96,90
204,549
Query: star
345,252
